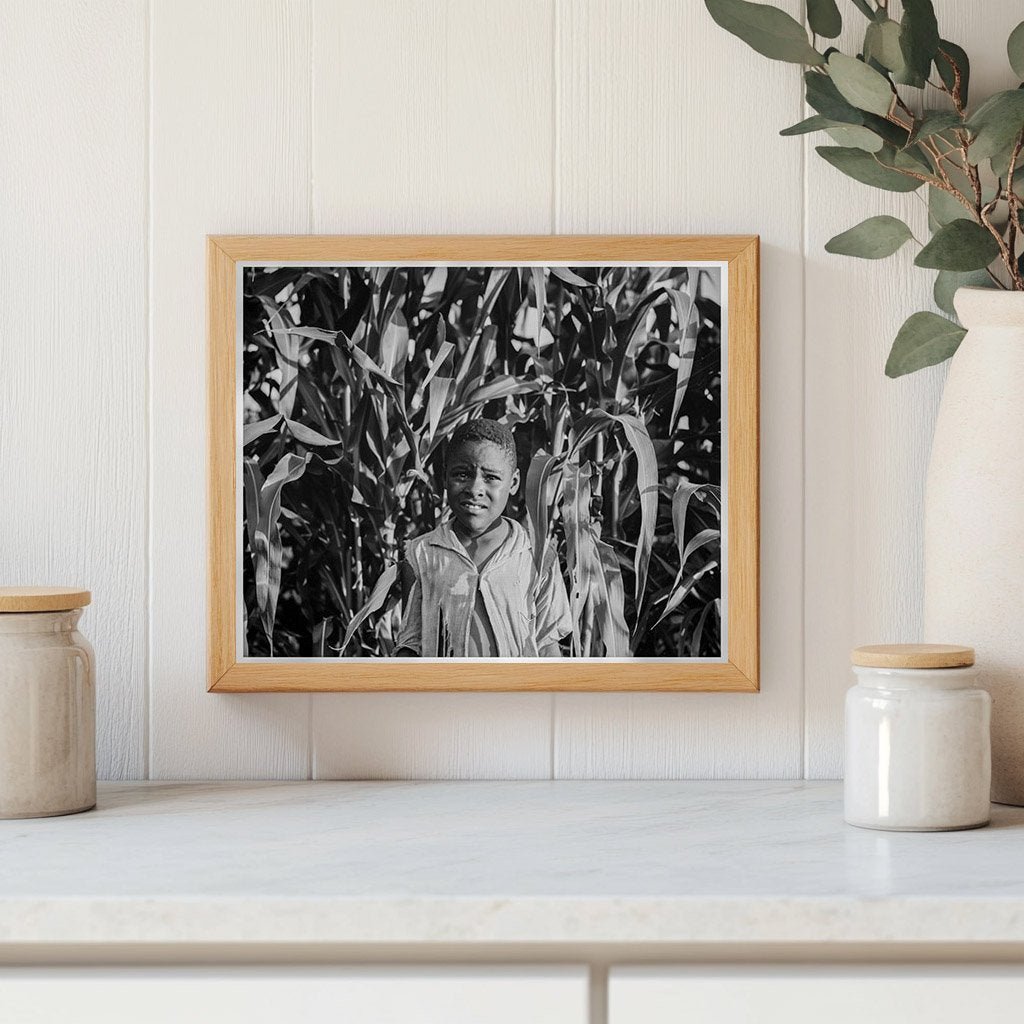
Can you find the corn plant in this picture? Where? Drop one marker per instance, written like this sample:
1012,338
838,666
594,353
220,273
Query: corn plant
610,379
968,158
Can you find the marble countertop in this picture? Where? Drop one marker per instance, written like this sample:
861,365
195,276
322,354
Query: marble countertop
500,862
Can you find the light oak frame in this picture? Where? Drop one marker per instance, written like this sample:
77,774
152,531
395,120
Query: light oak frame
739,673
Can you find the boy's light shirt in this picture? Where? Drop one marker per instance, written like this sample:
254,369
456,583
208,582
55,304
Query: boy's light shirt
526,610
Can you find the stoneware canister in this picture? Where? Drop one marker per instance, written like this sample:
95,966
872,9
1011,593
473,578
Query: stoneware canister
47,704
918,749
974,516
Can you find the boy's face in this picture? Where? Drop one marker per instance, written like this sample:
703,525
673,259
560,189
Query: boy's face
479,478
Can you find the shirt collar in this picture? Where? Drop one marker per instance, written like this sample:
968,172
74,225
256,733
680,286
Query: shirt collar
445,538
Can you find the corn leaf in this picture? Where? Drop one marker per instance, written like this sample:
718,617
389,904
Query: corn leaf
307,435
565,275
540,488
253,431
576,515
611,600
685,306
683,588
377,597
267,537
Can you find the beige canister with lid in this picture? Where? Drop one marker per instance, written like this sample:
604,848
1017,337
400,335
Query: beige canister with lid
918,747
47,704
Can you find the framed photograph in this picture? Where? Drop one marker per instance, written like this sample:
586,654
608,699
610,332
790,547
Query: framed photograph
483,463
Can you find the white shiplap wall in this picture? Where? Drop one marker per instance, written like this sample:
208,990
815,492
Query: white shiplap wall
134,129
73,344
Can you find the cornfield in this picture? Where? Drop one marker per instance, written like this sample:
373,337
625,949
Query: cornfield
610,379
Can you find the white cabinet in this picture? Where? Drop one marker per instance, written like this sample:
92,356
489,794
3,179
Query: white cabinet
281,995
813,994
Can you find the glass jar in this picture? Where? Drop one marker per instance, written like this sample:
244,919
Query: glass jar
47,704
918,748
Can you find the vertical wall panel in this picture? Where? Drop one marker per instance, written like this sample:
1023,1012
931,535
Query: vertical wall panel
73,290
666,124
432,118
868,437
230,154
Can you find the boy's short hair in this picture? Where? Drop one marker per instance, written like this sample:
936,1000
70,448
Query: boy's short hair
484,430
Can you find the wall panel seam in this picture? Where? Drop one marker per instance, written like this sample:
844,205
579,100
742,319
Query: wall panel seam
555,228
147,683
555,116
804,217
310,221
310,58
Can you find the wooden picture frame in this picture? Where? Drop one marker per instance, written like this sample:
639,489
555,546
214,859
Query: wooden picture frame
737,668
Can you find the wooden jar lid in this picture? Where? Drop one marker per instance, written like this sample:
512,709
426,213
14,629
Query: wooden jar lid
42,599
912,656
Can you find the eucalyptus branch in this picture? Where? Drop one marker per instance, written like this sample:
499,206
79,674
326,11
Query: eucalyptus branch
928,146
1004,251
923,178
940,156
949,154
1013,202
954,93
971,170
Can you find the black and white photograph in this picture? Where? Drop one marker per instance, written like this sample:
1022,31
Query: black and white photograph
482,461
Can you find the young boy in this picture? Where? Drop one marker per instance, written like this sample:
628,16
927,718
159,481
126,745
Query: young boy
472,588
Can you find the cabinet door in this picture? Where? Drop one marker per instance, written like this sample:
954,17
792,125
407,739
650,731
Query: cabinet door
280,995
813,995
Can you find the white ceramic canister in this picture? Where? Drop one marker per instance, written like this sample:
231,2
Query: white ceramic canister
47,704
918,747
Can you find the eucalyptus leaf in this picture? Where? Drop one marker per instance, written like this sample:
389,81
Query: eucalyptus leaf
864,167
824,18
911,158
1001,169
854,135
960,245
766,29
872,239
892,133
825,98
948,281
951,55
919,41
934,122
997,124
864,7
882,44
944,208
860,85
925,339
962,183
817,123
1015,50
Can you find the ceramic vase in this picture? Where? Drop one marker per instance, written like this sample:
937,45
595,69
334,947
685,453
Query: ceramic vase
974,518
